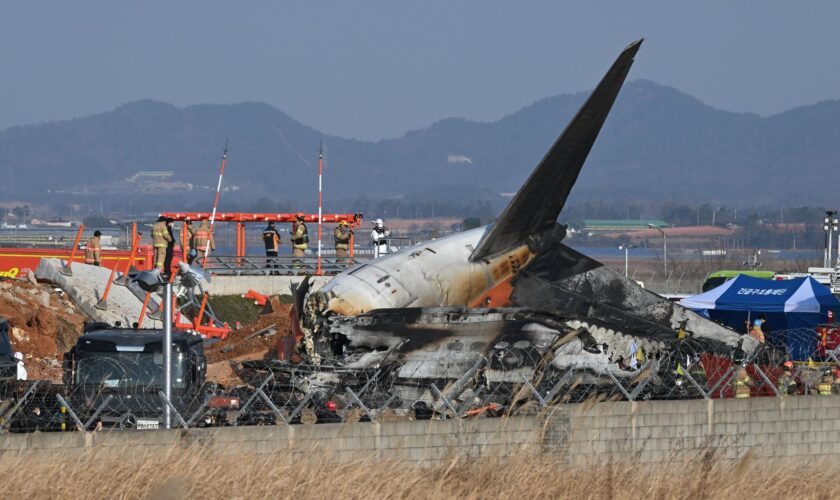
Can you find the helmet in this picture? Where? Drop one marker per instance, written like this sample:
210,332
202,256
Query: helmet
331,406
342,223
379,222
788,365
299,215
193,253
97,233
161,219
757,322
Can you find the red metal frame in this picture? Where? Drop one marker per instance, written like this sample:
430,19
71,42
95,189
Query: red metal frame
354,220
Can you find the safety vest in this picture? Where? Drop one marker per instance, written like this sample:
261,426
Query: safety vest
825,389
271,239
742,389
342,239
160,235
202,236
787,385
92,248
300,239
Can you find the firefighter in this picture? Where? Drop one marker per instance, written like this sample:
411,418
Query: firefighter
202,236
342,236
743,382
825,384
300,239
160,240
787,384
170,246
93,247
187,239
380,235
271,240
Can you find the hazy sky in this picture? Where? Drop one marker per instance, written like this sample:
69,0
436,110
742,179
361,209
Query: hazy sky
376,69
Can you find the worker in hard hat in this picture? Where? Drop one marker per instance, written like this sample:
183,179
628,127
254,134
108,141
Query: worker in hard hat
271,240
786,383
21,370
203,236
743,382
160,240
93,248
300,239
380,236
342,235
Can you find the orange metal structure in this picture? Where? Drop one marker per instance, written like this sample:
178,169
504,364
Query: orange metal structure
241,218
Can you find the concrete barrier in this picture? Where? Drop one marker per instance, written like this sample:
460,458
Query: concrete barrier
267,285
653,431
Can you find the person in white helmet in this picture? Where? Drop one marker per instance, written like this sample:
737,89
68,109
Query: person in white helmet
380,236
21,370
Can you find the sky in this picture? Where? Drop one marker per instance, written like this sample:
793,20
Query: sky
377,69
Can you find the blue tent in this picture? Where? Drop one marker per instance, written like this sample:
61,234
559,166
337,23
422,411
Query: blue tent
800,303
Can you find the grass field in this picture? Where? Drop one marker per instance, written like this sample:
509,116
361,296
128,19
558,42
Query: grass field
191,473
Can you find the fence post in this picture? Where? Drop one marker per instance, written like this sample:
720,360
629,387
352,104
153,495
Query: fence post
135,240
68,270
103,302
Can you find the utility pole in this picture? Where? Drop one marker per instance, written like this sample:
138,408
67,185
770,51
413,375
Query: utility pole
318,271
626,249
830,224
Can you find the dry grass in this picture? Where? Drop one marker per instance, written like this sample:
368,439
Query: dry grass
192,473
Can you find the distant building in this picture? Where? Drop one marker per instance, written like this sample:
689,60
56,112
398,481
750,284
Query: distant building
593,225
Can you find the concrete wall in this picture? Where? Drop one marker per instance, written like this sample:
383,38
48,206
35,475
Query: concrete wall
267,285
414,441
647,431
657,431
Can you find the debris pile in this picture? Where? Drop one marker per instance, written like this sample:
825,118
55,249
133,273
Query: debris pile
44,324
255,341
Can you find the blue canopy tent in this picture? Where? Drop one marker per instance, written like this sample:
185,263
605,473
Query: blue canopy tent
800,303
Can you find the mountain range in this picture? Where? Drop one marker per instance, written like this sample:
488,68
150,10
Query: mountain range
658,144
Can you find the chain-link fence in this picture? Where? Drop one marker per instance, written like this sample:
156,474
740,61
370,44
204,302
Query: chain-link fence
125,390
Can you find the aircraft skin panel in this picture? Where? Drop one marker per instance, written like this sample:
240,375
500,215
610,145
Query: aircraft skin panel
433,274
538,202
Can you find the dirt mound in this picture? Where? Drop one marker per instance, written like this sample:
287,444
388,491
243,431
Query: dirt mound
256,347
44,324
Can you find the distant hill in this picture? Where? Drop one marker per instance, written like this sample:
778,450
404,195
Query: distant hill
658,144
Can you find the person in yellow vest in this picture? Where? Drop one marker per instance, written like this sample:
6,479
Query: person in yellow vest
93,247
300,239
160,240
787,384
342,235
825,384
201,237
743,382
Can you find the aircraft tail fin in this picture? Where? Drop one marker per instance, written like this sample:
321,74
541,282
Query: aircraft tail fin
538,202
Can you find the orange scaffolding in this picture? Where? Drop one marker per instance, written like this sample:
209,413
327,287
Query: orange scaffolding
242,218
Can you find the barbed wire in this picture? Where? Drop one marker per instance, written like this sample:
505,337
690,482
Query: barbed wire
123,390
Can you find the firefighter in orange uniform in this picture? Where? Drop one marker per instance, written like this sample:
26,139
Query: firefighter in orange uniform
93,247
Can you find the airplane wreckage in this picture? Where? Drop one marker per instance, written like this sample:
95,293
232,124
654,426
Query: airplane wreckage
484,312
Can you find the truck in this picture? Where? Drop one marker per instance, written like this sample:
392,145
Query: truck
120,372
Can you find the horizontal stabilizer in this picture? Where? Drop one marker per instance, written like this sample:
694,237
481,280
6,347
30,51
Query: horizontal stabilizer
538,203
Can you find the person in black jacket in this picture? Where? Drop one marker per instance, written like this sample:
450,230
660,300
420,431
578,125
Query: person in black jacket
271,240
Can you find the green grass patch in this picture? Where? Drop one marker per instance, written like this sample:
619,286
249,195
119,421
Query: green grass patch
233,308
